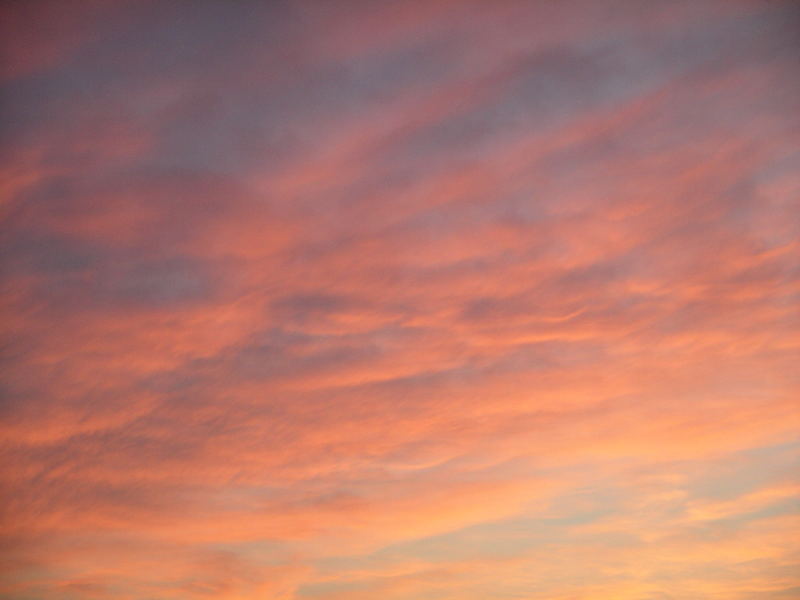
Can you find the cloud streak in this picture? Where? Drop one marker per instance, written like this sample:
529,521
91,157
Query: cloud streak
407,300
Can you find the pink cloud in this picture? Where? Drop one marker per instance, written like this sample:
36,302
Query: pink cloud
400,300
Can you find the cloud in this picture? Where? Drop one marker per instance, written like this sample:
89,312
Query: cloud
400,300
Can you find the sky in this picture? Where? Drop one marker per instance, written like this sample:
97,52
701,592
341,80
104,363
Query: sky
400,300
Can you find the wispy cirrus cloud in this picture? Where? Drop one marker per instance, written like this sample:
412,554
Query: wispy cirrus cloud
401,300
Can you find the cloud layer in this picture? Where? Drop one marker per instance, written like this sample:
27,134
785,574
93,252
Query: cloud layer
405,300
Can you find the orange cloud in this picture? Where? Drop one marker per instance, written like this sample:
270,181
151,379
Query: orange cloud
400,300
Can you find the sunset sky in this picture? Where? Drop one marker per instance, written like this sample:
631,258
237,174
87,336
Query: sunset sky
400,300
